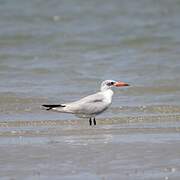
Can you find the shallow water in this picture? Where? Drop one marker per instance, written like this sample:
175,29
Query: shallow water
115,149
58,51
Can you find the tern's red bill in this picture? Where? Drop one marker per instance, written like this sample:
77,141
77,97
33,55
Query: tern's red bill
120,84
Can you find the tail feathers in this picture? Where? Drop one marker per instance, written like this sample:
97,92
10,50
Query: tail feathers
51,106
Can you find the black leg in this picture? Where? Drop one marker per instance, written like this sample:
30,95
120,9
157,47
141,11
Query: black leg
94,120
90,121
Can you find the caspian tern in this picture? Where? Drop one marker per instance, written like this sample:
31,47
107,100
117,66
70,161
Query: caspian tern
91,105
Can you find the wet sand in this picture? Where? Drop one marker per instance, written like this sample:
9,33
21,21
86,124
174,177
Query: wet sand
119,148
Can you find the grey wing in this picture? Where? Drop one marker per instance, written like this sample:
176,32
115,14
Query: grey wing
98,97
93,104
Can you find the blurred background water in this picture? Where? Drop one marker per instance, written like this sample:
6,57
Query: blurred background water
58,51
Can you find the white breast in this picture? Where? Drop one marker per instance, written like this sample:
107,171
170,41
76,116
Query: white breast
108,96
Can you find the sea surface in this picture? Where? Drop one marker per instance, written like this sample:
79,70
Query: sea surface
61,50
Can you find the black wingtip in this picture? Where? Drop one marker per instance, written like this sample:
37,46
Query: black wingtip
51,106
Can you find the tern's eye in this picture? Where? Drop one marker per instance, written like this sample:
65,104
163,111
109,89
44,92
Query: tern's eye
110,83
